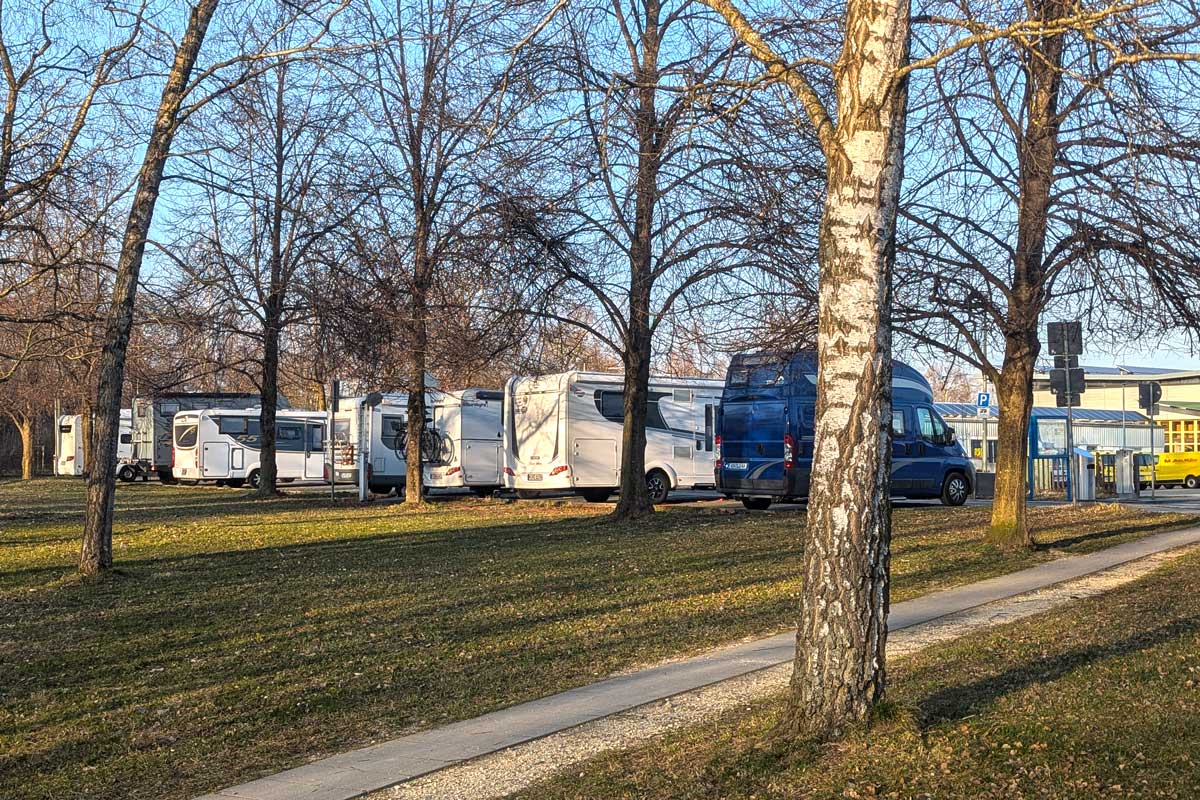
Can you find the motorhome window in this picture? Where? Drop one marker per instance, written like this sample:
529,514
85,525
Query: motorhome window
341,431
897,423
185,435
612,405
126,438
925,423
766,375
316,437
392,434
290,437
232,426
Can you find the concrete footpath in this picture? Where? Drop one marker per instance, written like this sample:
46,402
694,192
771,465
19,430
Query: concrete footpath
379,766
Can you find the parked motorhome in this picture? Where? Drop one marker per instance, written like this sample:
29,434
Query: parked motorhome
382,426
563,433
765,429
69,445
152,425
470,432
224,445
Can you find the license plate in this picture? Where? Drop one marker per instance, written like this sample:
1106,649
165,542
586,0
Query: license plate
736,465
533,476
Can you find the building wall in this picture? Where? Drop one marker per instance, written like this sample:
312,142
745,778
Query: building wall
1181,429
1094,435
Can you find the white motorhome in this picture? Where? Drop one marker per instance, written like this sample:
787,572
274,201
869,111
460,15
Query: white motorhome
563,433
470,431
223,445
373,433
68,444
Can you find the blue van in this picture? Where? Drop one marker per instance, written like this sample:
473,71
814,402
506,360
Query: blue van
764,434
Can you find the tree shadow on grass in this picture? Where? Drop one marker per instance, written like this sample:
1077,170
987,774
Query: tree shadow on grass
961,701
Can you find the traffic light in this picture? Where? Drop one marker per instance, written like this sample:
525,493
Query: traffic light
1149,393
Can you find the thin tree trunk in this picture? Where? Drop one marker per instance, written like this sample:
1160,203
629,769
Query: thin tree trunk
1038,152
634,501
841,640
273,311
414,480
96,552
25,426
267,467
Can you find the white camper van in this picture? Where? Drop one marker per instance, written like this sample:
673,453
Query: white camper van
470,432
68,444
563,433
372,434
222,445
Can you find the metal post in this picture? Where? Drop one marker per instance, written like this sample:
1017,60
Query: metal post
1124,444
1072,485
1153,458
331,411
363,438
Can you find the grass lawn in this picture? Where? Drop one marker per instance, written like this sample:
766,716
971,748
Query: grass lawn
241,637
1098,700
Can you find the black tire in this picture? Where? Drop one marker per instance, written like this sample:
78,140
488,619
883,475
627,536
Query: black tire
254,480
955,489
595,495
381,488
483,491
166,476
756,503
658,485
127,474
236,483
1191,481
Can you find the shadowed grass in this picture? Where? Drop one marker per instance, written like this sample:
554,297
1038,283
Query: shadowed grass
242,637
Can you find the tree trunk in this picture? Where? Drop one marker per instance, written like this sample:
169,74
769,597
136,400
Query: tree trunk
1027,298
1009,529
634,501
267,467
840,665
414,479
25,427
96,553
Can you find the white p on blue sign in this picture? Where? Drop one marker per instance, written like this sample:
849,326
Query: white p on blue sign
983,399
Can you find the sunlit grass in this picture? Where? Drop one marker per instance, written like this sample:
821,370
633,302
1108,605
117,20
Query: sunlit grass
239,637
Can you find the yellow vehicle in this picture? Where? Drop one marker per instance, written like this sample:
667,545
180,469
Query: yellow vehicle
1171,469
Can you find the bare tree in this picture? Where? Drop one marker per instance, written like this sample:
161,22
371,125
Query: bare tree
671,184
266,167
436,95
1066,184
218,78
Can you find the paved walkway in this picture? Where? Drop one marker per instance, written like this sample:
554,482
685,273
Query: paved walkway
379,766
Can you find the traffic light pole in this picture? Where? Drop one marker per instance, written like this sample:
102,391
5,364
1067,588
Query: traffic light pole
1072,482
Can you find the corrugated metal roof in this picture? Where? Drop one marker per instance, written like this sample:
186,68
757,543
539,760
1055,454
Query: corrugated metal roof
1045,412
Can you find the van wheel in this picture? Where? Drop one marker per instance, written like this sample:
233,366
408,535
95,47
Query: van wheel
128,473
955,489
254,480
756,503
595,495
658,485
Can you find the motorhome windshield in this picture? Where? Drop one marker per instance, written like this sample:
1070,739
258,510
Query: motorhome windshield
756,374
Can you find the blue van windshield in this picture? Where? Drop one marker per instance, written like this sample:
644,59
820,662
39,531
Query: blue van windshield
756,375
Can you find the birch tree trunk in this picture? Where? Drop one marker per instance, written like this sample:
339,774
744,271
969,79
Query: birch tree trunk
1039,148
96,553
840,654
